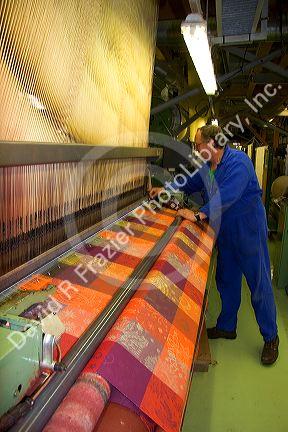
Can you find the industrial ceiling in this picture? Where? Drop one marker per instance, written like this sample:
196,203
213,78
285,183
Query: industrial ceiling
249,50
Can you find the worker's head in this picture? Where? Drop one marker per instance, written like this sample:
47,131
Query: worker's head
207,142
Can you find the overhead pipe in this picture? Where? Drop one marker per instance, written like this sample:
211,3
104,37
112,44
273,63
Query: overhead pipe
268,124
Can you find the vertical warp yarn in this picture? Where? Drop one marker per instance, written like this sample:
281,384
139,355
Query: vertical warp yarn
71,71
83,405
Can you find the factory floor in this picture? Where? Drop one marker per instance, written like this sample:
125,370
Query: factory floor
238,394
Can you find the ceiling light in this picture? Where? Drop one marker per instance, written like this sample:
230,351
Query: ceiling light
194,30
215,122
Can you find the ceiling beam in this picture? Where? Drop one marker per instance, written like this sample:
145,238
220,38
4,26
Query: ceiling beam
222,79
262,50
258,12
261,78
284,61
219,17
251,57
191,120
256,134
262,122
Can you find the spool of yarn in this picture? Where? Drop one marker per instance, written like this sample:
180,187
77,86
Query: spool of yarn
279,187
83,405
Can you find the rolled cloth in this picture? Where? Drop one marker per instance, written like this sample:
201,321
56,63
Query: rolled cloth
83,405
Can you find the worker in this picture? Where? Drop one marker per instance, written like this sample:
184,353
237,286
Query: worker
233,206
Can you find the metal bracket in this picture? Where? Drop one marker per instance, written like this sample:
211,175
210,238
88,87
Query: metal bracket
48,352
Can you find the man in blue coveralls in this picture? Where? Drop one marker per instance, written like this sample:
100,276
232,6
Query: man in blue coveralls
233,205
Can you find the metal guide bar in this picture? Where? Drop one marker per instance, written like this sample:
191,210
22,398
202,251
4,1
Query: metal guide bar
51,396
29,153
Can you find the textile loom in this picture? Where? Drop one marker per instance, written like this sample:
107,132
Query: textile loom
101,292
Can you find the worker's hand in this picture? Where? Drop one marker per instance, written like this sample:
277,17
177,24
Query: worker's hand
155,191
187,214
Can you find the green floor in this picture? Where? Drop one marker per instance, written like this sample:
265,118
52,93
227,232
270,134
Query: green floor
238,394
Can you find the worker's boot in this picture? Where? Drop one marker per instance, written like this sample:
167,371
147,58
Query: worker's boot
270,352
215,333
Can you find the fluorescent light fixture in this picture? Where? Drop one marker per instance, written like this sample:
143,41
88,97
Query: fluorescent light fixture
215,122
194,30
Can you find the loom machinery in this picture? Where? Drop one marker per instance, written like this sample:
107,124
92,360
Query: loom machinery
64,202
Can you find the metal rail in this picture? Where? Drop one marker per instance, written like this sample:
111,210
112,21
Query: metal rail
31,153
52,395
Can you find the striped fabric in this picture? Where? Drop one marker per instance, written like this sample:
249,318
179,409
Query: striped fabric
148,353
88,276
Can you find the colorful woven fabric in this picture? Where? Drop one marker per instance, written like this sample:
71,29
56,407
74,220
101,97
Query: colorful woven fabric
89,276
36,283
148,353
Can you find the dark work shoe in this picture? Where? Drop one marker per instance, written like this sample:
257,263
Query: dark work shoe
215,333
270,352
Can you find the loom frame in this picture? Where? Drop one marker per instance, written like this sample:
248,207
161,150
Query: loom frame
33,153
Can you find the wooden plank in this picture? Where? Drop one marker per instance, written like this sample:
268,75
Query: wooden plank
204,358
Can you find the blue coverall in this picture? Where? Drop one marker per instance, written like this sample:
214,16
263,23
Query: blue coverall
234,207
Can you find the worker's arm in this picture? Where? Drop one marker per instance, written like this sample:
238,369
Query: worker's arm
229,191
187,184
190,215
192,183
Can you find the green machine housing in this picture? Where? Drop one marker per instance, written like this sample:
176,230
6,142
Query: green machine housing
25,350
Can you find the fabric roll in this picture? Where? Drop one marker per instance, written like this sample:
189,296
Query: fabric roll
82,407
